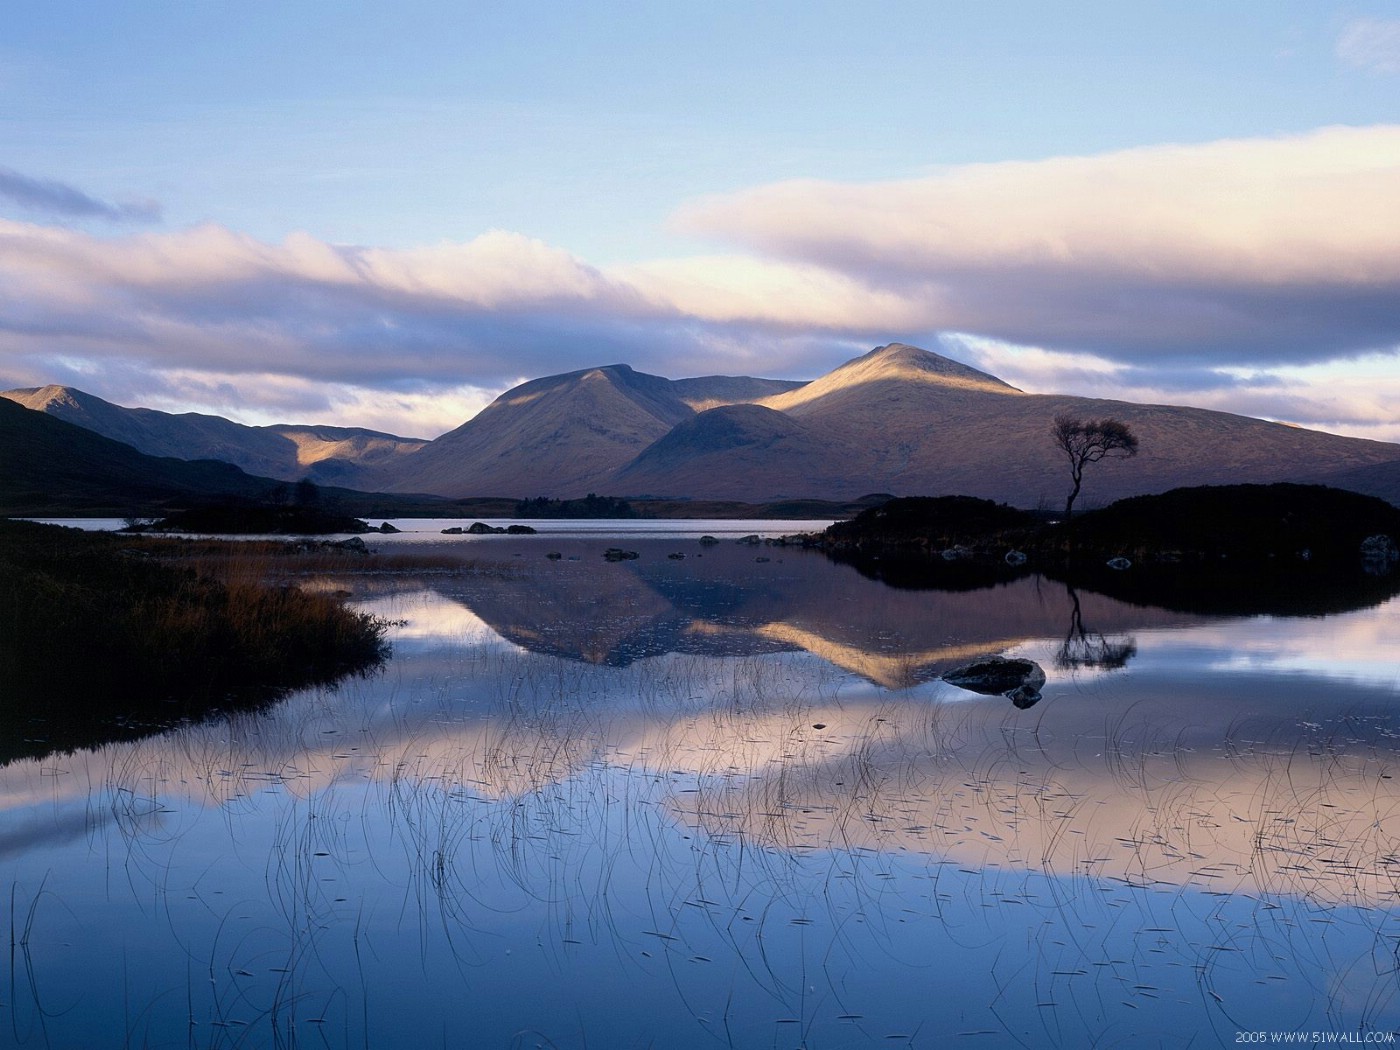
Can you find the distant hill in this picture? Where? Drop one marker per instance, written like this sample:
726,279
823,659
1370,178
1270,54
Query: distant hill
1376,479
48,466
903,420
897,420
565,436
289,452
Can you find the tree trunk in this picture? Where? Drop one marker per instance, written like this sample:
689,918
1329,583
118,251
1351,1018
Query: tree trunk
1078,476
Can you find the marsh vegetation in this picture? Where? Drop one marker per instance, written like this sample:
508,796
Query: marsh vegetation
106,635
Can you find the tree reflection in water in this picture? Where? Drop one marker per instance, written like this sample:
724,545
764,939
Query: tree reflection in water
1091,649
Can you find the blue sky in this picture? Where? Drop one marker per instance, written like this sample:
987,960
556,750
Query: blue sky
364,213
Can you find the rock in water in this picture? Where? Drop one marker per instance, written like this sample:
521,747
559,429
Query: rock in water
1012,677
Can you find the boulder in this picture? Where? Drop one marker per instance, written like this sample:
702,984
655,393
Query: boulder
480,528
1024,696
1012,677
520,530
456,530
618,554
387,529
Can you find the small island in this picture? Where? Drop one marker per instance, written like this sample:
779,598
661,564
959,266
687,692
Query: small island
256,519
1225,548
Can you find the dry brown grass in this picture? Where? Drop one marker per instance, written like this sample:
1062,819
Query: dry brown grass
261,561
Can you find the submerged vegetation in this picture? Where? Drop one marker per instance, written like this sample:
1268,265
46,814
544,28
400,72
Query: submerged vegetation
97,630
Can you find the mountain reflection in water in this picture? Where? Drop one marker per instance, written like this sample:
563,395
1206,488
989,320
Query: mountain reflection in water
723,602
719,801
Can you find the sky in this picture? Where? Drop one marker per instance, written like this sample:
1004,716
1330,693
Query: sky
385,215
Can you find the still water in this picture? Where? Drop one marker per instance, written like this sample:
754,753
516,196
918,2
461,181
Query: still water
726,800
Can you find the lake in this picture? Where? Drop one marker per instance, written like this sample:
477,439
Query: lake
726,799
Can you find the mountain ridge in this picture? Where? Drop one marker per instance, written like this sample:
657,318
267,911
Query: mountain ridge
285,451
48,465
897,419
891,363
571,431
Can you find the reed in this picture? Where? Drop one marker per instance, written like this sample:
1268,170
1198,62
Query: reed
96,631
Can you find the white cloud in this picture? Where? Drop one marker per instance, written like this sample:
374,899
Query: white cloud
1216,274
408,340
288,399
1277,248
1355,398
1372,44
736,288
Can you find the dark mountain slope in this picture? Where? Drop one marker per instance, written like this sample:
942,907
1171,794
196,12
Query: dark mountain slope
1375,479
746,440
49,466
338,455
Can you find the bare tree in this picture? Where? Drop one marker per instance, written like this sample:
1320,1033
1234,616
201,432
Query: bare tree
1085,441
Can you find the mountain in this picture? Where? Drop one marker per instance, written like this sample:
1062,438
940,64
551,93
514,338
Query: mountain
898,419
903,420
1376,479
48,466
289,452
744,440
566,435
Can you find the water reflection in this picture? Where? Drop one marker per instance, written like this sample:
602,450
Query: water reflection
720,801
1087,647
725,602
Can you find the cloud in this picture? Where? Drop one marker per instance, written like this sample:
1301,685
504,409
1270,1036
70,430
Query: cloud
59,199
422,411
1218,274
1354,397
1371,44
123,316
1258,249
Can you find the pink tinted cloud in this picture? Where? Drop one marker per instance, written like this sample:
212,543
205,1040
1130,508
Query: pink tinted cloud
1257,249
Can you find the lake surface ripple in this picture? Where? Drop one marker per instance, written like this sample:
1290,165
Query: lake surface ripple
727,800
